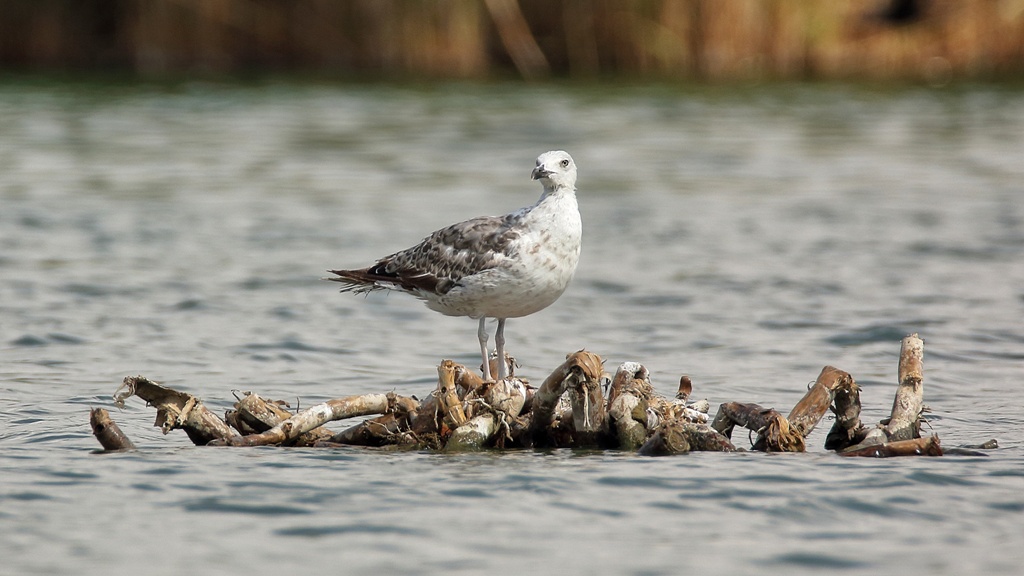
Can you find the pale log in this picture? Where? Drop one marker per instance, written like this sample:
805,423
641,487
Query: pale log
337,409
908,405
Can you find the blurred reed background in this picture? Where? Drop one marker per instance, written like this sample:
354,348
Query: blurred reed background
713,40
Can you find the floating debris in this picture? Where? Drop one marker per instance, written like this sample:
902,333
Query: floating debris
568,410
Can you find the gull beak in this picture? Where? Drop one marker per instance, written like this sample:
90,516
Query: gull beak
539,172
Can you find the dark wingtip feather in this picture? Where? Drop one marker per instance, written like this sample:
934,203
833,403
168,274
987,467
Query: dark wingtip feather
354,280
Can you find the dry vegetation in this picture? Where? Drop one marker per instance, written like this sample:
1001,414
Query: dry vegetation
716,40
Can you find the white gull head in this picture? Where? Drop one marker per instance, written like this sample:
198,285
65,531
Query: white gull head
555,170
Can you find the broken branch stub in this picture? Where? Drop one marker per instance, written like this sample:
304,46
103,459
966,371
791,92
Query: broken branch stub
452,412
685,388
809,410
627,406
578,367
908,404
588,410
175,410
107,432
847,429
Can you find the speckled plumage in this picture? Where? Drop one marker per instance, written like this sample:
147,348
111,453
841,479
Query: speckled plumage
491,266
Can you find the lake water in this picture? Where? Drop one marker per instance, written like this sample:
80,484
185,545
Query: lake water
745,236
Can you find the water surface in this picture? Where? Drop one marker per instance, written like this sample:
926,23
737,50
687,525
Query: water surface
746,237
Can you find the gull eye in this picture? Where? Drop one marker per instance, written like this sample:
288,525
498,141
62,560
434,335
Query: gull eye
565,163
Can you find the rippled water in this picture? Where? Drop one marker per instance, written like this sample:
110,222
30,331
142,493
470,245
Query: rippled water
743,236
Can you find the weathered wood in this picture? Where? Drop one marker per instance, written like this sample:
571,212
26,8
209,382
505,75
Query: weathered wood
685,388
568,410
627,405
175,410
680,437
253,414
467,381
507,396
385,430
774,433
779,436
847,429
669,439
672,408
629,421
750,416
589,417
578,367
929,446
809,410
632,377
107,432
449,403
475,434
908,405
510,365
320,414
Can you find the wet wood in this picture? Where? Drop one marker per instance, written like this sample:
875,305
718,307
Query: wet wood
753,417
175,410
107,431
628,403
581,366
809,410
475,434
774,432
589,416
847,430
385,430
680,437
929,446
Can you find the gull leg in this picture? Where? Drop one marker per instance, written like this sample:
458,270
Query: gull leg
481,333
499,347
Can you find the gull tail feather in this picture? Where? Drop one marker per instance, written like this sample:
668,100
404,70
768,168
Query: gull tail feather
361,281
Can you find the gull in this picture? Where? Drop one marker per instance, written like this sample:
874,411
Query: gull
497,267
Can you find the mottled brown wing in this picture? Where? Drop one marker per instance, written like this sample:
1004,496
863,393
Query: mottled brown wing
442,259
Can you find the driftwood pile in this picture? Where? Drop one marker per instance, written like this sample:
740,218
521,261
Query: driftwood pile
578,405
